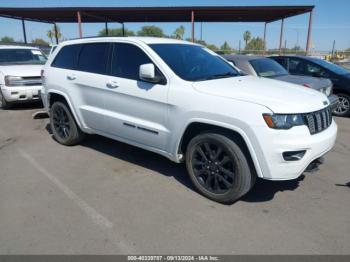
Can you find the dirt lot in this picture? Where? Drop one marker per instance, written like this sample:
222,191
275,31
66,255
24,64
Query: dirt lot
105,197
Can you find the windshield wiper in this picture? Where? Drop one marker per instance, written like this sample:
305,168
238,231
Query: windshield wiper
223,75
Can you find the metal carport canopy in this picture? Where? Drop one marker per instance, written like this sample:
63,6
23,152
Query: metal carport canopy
194,14
157,14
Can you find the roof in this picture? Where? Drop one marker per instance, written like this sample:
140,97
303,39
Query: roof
137,39
310,58
157,14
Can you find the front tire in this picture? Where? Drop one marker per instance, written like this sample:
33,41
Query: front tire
343,108
64,128
3,103
218,167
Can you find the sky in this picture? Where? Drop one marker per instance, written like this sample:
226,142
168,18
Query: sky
331,21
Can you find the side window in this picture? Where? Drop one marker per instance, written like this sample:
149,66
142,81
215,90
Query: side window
281,61
315,70
127,59
67,57
295,66
93,58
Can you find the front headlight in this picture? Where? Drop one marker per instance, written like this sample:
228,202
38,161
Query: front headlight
13,80
328,91
280,121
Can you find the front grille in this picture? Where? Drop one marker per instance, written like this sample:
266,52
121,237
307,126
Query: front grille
319,120
31,80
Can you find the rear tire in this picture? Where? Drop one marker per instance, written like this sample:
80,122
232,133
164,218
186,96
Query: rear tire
64,128
343,108
218,167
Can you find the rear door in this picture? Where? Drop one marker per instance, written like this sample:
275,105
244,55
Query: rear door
136,110
89,82
79,71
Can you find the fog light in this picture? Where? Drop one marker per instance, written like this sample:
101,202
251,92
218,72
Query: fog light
14,93
293,155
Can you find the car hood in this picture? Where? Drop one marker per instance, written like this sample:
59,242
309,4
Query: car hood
313,82
278,96
21,70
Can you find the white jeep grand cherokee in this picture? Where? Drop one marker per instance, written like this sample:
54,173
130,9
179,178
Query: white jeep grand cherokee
20,79
186,103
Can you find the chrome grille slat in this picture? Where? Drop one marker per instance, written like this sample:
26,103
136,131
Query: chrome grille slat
319,120
323,116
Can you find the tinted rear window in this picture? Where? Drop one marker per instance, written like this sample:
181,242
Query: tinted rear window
93,58
67,57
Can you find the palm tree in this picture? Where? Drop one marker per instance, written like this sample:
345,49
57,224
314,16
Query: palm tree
51,33
247,36
179,32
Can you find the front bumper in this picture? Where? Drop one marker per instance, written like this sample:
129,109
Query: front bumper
272,143
21,93
333,101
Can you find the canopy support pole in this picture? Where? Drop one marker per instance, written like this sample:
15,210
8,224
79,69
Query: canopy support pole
79,25
24,32
308,41
123,29
264,52
192,22
56,32
281,36
106,28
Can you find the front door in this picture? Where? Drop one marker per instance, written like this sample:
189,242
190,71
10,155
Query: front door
135,110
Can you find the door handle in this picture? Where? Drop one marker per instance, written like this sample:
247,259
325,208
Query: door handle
112,84
71,77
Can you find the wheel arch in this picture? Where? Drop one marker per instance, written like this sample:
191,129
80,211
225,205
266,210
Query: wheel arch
199,126
54,96
341,91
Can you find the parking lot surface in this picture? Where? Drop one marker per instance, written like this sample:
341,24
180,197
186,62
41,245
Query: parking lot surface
106,197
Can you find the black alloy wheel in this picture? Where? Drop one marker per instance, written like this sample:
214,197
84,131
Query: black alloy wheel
219,166
63,125
213,167
343,107
61,122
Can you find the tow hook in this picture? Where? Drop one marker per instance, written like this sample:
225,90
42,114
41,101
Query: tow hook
313,166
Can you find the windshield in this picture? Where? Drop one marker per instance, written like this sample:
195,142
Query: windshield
194,63
332,67
266,67
19,56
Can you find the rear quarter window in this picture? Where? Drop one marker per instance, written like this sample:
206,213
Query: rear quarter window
67,57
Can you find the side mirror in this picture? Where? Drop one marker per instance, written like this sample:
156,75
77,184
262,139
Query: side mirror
147,73
231,63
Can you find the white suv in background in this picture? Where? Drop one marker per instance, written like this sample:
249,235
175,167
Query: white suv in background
186,103
20,79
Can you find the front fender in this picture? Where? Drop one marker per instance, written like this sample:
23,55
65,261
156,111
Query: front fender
248,137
